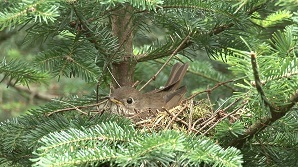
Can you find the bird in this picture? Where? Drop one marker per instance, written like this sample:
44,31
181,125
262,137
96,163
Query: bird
129,101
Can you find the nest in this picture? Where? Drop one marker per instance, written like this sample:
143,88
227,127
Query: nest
187,116
190,116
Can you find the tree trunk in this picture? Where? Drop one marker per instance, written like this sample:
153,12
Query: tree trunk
122,27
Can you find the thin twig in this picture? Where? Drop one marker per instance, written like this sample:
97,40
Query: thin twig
210,78
203,76
208,96
190,117
180,120
113,77
209,90
168,60
135,84
173,117
209,121
214,117
74,108
224,118
258,81
195,123
230,105
34,93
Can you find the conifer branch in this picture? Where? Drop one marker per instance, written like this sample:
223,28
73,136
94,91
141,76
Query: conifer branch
213,32
84,28
213,79
76,108
276,112
33,93
185,40
286,75
203,75
222,28
258,81
51,136
210,89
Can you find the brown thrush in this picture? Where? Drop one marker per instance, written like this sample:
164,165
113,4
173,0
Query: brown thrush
130,102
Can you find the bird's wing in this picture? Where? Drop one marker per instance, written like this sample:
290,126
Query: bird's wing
173,98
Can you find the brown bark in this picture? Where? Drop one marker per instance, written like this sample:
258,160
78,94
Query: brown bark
122,27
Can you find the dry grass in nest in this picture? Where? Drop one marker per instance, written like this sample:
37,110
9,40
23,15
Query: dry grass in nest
196,117
186,117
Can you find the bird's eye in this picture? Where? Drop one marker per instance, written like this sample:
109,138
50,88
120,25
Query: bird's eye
129,100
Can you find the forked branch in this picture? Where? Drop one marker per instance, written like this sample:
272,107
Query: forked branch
276,112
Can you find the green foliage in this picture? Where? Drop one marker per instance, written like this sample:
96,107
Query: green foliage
210,74
108,142
78,39
19,72
284,43
276,60
274,18
225,131
157,50
31,128
27,11
277,146
93,140
205,24
277,66
77,144
141,4
62,61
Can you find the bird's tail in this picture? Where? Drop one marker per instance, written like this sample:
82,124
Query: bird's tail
177,73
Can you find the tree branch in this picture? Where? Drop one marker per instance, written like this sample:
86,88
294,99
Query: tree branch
276,112
210,89
258,81
186,39
34,93
215,31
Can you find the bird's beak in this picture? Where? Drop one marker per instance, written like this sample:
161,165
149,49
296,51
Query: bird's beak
112,99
